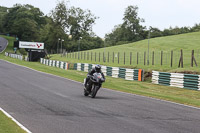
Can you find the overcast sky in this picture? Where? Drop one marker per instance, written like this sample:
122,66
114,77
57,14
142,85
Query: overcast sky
157,13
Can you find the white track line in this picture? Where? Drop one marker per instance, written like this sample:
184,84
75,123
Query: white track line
13,119
111,89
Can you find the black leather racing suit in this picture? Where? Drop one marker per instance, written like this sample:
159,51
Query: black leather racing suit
90,73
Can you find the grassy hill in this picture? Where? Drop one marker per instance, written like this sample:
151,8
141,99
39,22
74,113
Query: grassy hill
187,42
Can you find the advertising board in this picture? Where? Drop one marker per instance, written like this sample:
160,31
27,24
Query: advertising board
31,45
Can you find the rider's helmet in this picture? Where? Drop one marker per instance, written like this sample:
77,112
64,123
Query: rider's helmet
98,68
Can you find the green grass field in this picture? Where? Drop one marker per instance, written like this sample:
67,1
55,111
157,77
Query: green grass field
187,42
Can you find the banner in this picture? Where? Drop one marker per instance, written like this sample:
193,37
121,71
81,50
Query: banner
31,45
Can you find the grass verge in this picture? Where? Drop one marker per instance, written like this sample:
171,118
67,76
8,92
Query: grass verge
8,126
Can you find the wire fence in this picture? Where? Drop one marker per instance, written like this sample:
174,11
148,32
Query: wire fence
153,58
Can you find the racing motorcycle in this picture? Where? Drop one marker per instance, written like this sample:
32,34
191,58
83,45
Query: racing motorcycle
93,85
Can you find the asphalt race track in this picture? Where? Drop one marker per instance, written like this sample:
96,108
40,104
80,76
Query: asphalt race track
48,104
3,44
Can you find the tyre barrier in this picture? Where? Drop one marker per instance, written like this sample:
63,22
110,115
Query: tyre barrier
116,72
188,81
16,56
54,63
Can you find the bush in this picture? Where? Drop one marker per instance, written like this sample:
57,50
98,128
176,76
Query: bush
22,51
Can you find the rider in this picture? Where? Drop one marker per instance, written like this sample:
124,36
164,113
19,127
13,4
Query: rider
97,68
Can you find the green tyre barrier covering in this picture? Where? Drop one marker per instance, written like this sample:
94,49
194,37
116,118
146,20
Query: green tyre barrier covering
109,71
116,72
180,80
122,72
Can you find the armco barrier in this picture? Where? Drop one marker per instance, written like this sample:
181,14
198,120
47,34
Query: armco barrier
187,81
16,56
116,72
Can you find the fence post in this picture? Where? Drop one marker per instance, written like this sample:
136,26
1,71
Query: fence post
99,57
103,57
137,57
87,55
108,56
193,59
153,58
161,58
118,57
113,57
91,56
130,57
124,58
81,55
144,58
171,58
95,56
181,60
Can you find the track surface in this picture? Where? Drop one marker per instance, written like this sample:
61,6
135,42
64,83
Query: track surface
3,44
48,104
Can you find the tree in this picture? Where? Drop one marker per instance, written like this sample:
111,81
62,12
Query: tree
195,28
3,13
60,15
80,22
132,22
75,22
30,24
129,31
24,21
155,32
50,33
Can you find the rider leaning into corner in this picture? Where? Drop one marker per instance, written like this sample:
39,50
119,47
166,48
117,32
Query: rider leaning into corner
97,68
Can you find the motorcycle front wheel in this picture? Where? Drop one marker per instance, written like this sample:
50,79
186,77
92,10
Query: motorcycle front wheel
94,91
86,93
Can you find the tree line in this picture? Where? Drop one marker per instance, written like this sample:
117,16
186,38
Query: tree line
72,27
132,30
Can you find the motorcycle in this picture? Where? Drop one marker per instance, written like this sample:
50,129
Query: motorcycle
93,85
